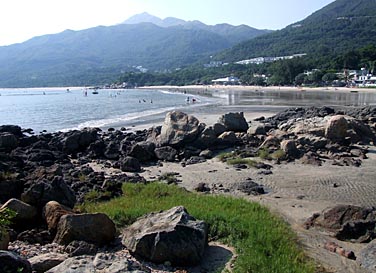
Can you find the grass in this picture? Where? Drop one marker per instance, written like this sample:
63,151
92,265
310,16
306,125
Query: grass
263,242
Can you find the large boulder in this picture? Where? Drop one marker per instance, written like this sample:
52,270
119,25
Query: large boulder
288,146
130,164
166,153
171,235
95,228
42,263
13,129
207,138
234,122
143,151
44,191
179,129
8,141
24,212
76,140
336,128
53,212
12,263
347,222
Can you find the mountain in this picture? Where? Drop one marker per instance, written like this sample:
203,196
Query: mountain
98,55
339,27
236,34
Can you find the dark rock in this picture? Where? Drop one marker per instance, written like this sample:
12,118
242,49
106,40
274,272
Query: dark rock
44,191
206,139
219,128
227,139
12,263
166,153
12,129
112,150
171,235
78,248
143,151
234,122
8,141
195,160
202,187
95,228
35,236
10,188
250,187
130,164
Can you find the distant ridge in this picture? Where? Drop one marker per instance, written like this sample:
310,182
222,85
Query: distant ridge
339,27
99,55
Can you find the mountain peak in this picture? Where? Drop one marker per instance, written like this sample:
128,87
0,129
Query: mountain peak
143,18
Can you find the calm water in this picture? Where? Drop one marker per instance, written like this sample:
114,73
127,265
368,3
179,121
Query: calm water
55,109
298,98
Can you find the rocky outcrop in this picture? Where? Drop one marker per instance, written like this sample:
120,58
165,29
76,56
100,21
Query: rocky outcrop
367,256
24,212
179,129
130,164
95,228
347,222
53,211
10,262
171,235
44,191
166,153
234,122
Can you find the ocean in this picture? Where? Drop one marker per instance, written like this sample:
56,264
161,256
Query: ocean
62,109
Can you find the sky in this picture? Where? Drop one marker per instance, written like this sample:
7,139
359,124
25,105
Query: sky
21,20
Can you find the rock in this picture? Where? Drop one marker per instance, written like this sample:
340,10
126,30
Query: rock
12,129
76,140
143,151
8,141
53,212
95,228
171,235
289,147
367,256
202,187
219,128
206,154
206,139
112,150
336,129
250,187
166,153
347,222
271,142
258,130
227,139
234,122
179,129
4,239
12,263
78,248
333,247
35,236
102,262
24,211
10,188
44,191
44,262
130,164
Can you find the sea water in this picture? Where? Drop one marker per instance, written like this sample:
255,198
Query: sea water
62,109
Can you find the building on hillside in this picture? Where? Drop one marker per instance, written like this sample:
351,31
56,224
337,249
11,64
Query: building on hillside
227,81
261,60
362,78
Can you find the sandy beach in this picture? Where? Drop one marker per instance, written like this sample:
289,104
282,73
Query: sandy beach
296,191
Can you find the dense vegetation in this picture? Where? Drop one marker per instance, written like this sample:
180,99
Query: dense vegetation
337,28
285,72
98,55
263,242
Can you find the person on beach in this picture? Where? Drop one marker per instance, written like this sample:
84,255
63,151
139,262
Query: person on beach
187,99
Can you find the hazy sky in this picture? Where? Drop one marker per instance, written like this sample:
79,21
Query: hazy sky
23,19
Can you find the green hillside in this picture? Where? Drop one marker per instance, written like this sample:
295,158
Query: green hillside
339,27
99,55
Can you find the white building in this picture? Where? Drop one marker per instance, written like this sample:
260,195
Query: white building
227,81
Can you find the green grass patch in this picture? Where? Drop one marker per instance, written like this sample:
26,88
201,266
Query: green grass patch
263,242
246,161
